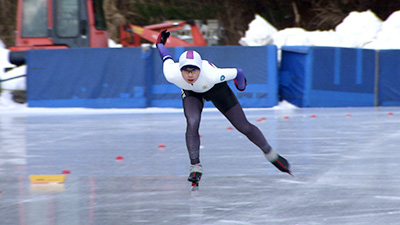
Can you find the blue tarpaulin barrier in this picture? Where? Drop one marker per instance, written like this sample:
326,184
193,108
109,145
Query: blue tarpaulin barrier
91,77
389,78
327,76
133,78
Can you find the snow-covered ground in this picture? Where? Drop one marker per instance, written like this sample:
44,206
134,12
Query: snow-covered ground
357,30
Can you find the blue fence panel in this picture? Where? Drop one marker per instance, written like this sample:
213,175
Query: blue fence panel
133,77
294,69
389,78
92,77
327,76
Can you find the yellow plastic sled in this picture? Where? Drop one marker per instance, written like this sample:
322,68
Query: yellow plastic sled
45,179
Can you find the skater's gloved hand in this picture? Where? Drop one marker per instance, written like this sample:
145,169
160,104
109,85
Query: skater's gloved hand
240,80
162,37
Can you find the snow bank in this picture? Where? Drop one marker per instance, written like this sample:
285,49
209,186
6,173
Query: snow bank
4,63
357,30
2,45
388,36
8,86
112,44
6,98
258,37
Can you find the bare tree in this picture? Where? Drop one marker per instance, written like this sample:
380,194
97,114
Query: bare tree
234,17
114,19
8,11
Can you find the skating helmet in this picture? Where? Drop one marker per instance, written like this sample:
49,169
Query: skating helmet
190,58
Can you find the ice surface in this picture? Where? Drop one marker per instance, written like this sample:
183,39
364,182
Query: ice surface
345,162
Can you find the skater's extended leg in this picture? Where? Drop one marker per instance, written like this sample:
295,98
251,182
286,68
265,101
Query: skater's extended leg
238,119
226,102
193,107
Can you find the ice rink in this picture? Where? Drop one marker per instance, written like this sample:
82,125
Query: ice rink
346,163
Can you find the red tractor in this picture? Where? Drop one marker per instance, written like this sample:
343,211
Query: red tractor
50,24
131,35
60,24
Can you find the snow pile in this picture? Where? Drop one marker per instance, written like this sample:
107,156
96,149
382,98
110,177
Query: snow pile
2,45
19,84
258,37
284,105
112,44
357,30
4,63
388,36
8,86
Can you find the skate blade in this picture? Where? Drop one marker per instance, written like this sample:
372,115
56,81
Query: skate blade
195,186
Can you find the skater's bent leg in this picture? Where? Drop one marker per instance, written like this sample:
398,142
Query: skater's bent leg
226,102
192,109
238,119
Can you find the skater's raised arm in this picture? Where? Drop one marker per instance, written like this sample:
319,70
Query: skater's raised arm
170,68
162,50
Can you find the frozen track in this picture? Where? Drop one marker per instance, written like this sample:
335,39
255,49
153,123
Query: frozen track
346,168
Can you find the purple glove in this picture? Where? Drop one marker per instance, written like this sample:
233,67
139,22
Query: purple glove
164,53
240,80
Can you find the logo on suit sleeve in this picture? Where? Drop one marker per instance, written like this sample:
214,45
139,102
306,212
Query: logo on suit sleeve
222,78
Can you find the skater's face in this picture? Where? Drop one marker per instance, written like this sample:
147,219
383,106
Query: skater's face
190,73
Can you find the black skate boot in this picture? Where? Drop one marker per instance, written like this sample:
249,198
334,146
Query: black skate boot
278,161
282,164
195,175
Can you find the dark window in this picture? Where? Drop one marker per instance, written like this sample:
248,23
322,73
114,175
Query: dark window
34,18
99,18
67,18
